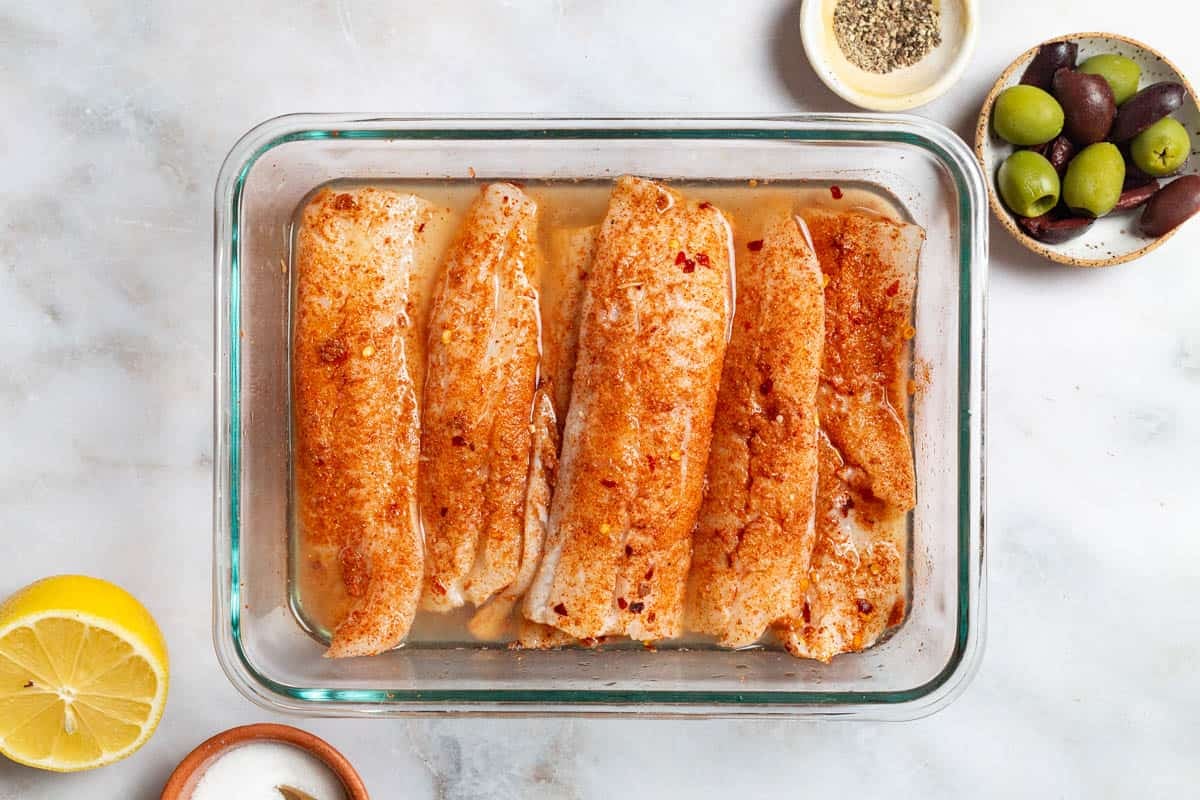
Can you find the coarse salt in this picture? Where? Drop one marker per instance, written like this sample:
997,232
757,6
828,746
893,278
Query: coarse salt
253,771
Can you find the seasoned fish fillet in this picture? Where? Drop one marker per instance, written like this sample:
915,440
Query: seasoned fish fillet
356,363
871,263
570,255
492,620
754,536
476,435
536,636
655,316
857,583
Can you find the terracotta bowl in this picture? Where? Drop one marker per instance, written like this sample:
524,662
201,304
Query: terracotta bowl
1113,239
185,777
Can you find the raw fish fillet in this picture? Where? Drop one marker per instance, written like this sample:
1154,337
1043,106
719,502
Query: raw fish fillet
476,434
655,318
857,584
871,263
570,255
754,537
356,362
493,621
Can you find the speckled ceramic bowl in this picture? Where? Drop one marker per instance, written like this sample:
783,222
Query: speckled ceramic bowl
1114,239
185,777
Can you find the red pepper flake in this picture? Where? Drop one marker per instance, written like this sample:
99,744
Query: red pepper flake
421,228
766,386
864,606
583,275
27,685
607,483
637,607
621,604
689,266
650,572
680,258
806,612
662,201
706,205
443,511
437,586
651,462
894,289
458,441
754,246
651,617
628,550
561,610
703,260
836,191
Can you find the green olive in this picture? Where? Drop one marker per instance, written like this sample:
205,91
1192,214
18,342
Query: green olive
1094,178
1027,115
1028,184
1162,148
1121,73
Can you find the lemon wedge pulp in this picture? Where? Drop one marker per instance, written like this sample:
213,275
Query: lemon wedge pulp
83,674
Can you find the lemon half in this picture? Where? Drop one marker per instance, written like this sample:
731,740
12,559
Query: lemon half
83,674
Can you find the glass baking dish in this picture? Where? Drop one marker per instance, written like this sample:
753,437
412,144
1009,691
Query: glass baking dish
272,659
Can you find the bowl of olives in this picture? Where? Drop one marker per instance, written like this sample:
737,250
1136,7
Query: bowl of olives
1091,142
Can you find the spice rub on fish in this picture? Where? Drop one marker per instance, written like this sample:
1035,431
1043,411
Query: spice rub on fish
871,263
356,362
476,435
494,620
754,536
569,257
856,588
655,313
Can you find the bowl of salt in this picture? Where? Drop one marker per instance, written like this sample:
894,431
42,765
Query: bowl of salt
267,762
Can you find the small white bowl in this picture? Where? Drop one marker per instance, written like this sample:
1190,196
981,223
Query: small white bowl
899,89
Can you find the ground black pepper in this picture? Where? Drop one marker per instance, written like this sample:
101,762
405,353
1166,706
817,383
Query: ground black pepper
884,35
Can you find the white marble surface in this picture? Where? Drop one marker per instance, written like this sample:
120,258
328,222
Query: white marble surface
115,121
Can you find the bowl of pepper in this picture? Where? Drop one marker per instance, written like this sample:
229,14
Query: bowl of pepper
889,55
